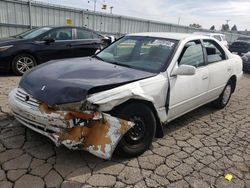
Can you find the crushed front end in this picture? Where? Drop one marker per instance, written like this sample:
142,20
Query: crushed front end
76,126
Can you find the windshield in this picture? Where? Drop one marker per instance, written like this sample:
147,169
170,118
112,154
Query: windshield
33,33
144,53
244,38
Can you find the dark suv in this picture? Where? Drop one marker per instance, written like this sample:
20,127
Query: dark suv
242,45
22,52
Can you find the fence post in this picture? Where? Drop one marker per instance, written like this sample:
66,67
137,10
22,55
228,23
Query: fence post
83,18
120,26
148,25
30,18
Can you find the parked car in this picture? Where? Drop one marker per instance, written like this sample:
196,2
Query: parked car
24,51
246,62
120,98
220,37
242,45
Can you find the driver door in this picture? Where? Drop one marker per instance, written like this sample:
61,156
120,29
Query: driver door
189,92
59,49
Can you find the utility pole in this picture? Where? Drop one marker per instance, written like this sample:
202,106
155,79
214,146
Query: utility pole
179,20
111,10
228,21
94,5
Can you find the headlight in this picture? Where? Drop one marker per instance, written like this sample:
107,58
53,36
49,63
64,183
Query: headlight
3,48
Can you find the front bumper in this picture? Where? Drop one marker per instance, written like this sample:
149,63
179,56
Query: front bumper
96,132
5,62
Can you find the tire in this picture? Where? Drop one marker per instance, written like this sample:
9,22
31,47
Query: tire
225,96
22,63
138,139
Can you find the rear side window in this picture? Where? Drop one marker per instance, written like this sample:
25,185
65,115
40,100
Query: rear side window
214,52
83,34
192,54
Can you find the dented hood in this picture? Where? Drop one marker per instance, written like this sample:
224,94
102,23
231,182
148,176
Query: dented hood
68,81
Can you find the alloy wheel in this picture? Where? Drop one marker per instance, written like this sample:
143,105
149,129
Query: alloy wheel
24,63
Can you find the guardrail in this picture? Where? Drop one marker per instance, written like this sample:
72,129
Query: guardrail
18,16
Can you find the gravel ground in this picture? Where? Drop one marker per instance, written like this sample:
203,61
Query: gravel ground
197,150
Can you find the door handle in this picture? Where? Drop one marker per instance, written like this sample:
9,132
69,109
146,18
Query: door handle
204,77
229,69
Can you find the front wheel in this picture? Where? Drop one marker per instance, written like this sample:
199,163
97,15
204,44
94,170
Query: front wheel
138,139
225,96
22,63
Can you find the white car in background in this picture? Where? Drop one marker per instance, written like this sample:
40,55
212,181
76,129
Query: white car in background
120,98
220,37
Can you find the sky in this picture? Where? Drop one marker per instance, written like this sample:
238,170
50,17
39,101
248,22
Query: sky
204,12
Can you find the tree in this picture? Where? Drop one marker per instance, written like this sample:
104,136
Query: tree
212,28
225,27
195,25
234,28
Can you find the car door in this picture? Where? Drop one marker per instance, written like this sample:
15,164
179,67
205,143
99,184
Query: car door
85,42
189,92
219,67
58,49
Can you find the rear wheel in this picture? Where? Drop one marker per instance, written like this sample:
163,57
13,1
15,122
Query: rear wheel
22,63
225,96
138,139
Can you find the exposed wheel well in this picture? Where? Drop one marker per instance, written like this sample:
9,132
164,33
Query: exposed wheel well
233,80
159,128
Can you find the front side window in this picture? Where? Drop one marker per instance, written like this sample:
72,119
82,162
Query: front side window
60,34
214,52
139,52
192,54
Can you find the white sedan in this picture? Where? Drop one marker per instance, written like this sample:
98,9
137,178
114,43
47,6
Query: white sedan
120,98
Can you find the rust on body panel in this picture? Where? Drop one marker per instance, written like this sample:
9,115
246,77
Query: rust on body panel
98,133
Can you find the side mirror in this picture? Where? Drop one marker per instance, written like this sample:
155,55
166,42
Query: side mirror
97,51
184,70
112,38
109,39
49,40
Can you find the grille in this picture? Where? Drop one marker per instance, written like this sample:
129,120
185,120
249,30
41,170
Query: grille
26,98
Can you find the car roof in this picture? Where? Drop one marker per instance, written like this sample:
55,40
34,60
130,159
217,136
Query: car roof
69,26
64,26
207,33
168,35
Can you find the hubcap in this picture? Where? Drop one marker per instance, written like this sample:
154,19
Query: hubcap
24,64
136,133
226,94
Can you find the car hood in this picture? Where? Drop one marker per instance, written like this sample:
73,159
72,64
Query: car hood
241,41
10,41
71,80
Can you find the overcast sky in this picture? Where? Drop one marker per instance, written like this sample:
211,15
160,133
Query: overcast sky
204,12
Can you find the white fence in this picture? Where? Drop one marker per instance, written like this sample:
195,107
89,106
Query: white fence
18,16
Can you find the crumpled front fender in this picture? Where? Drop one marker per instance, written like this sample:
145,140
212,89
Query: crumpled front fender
107,100
93,131
100,137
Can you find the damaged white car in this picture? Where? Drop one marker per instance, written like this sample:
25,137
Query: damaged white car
120,98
